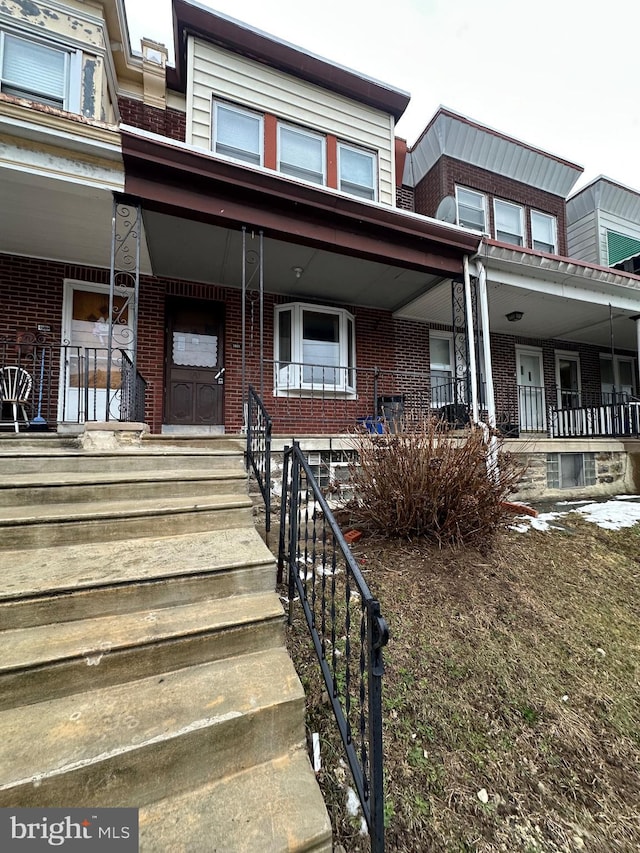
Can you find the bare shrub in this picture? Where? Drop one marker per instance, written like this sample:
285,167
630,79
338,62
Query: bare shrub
429,482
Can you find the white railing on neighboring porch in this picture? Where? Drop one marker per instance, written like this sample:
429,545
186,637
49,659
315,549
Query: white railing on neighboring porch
610,419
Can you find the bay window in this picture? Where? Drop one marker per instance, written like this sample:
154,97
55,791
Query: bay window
301,154
314,349
39,72
357,171
237,133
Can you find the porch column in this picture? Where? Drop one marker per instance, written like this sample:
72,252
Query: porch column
486,343
471,348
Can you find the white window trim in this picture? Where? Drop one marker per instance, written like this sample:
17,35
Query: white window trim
243,111
482,197
303,131
567,355
520,209
288,380
73,68
554,229
366,152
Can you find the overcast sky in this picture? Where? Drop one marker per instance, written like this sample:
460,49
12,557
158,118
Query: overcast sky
561,75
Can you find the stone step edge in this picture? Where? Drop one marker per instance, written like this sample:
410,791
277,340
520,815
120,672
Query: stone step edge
265,607
165,718
99,511
303,825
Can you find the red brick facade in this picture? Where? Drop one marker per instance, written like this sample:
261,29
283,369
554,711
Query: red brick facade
169,122
442,178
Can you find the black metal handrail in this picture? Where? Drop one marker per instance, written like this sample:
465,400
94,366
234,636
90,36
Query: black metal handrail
258,456
346,626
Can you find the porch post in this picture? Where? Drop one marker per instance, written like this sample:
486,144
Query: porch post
471,347
124,294
486,343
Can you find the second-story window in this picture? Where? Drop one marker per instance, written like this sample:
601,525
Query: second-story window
301,154
543,232
471,207
238,133
357,171
35,71
509,222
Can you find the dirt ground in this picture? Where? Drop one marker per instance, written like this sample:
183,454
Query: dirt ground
511,694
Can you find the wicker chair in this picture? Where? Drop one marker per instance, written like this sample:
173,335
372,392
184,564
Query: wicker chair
15,388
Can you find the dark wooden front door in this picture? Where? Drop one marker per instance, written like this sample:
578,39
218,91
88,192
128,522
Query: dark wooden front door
195,362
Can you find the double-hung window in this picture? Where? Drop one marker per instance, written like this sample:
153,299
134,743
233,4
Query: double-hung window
471,208
543,232
39,72
314,349
237,133
357,171
509,222
301,154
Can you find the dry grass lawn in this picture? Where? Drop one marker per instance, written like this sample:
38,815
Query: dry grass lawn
516,674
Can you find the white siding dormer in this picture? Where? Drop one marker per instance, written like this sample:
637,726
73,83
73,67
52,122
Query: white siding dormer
214,73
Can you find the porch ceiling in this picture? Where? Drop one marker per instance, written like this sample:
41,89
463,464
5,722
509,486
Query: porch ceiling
545,316
57,219
199,251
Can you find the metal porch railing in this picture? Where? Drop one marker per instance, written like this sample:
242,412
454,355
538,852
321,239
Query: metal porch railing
346,626
258,456
72,384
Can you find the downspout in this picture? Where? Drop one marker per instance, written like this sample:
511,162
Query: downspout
490,430
471,347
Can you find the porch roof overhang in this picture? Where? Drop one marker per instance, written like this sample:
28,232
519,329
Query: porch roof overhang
351,251
560,298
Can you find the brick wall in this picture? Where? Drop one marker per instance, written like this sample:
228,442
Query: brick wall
404,198
442,178
169,122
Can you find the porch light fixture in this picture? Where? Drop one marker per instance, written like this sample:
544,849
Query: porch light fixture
514,316
298,271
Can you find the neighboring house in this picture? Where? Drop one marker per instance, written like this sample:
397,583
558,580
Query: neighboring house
270,229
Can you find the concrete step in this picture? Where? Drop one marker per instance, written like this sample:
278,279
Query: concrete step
275,807
145,740
73,487
80,581
49,661
63,524
142,459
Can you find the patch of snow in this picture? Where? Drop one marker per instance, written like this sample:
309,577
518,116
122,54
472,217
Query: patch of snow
613,514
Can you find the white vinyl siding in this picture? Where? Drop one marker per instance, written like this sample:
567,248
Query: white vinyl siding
582,239
215,72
